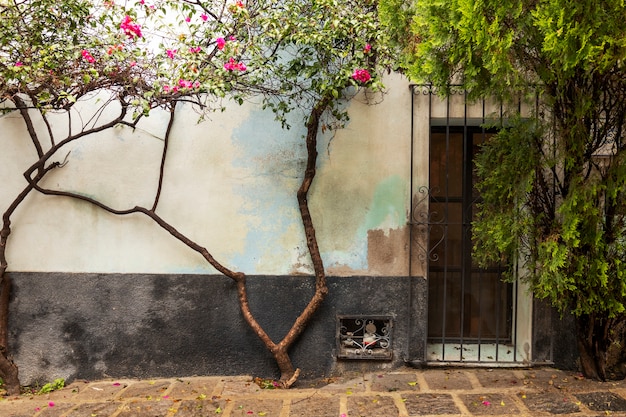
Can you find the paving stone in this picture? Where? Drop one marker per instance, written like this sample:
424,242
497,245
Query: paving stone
395,382
602,401
431,392
430,404
200,408
575,383
255,407
542,378
94,410
447,380
497,378
553,403
489,404
147,409
371,406
347,386
105,390
16,411
22,407
240,387
146,390
192,388
314,407
67,394
55,409
554,379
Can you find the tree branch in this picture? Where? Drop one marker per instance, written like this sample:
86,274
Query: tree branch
168,131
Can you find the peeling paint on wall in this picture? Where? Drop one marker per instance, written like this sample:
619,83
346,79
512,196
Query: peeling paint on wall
387,251
385,224
382,236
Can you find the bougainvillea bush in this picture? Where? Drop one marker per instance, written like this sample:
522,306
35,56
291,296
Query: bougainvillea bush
136,56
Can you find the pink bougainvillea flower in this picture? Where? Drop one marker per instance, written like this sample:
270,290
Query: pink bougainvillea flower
185,83
361,75
232,38
221,43
486,403
239,4
195,50
18,64
204,17
367,48
188,19
87,56
142,2
231,65
116,384
51,404
171,53
130,29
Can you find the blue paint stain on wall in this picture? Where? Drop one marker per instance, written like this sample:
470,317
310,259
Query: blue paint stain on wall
273,159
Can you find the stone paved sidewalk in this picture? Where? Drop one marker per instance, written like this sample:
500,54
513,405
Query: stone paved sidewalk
403,393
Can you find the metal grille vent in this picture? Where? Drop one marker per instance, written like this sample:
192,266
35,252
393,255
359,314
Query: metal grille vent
363,337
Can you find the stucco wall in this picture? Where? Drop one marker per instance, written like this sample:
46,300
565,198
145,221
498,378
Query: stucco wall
98,294
230,185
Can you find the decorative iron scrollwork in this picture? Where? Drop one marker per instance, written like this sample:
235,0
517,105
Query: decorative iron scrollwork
364,337
431,90
423,222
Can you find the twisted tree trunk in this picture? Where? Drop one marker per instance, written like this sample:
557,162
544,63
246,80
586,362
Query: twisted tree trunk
288,373
8,368
600,345
280,351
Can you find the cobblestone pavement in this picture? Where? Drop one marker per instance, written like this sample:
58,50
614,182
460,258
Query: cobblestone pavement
403,393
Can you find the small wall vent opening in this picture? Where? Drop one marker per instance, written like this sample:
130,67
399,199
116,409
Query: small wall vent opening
363,337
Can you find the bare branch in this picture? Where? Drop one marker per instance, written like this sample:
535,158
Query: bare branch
168,131
21,105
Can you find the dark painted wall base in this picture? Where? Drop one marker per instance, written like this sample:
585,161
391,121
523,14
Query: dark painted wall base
92,326
128,325
554,338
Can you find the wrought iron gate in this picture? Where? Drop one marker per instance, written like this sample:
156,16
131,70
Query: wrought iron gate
472,313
